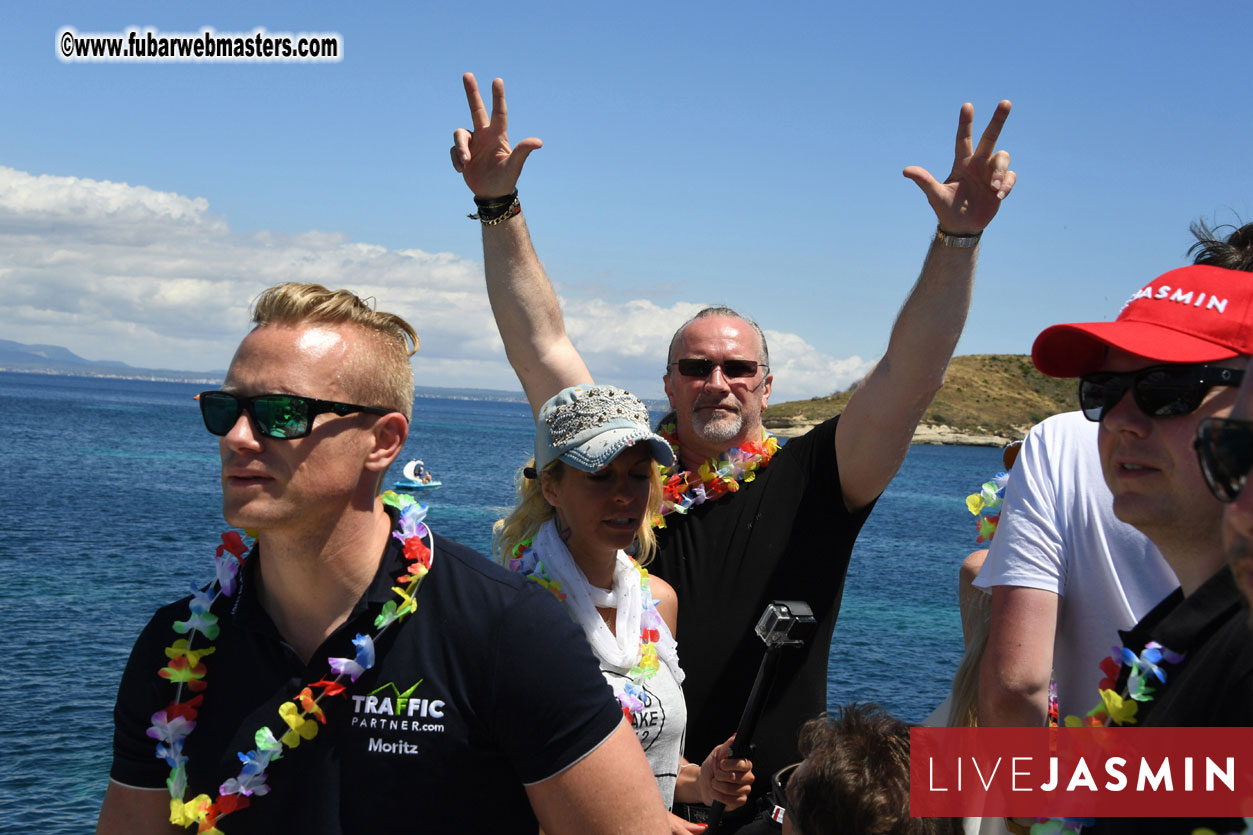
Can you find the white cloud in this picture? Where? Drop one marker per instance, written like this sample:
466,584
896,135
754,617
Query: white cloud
120,272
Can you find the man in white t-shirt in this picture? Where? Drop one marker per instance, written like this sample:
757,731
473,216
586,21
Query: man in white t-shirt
1058,593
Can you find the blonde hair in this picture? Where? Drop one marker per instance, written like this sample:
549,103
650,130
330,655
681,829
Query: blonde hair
533,510
378,376
964,704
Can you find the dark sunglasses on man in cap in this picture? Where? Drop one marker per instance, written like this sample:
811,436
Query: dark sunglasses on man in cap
1159,390
282,416
1224,448
731,369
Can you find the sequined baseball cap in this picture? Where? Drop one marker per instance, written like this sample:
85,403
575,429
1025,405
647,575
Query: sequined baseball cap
587,426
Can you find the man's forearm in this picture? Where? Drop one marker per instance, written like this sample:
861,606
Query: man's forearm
527,313
1000,706
931,321
879,422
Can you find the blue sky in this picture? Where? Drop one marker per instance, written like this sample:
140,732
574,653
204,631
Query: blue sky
693,153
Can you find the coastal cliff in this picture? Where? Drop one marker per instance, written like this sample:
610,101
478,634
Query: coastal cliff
986,400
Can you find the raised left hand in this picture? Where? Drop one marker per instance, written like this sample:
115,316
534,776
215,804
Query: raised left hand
967,201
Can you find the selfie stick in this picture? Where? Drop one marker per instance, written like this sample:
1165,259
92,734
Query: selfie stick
784,623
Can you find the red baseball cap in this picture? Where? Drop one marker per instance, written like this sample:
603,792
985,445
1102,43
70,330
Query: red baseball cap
1192,314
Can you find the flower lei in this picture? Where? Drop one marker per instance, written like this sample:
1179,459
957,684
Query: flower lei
987,499
1144,668
683,489
172,724
525,561
1117,710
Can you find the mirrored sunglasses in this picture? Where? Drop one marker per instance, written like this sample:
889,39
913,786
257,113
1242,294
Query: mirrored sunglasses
282,416
1159,391
702,368
1224,449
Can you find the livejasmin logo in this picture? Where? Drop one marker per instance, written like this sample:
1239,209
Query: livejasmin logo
1023,777
1177,295
1080,772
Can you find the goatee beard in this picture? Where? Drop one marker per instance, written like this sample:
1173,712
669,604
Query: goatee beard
718,429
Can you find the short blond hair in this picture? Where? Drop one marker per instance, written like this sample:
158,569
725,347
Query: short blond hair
381,375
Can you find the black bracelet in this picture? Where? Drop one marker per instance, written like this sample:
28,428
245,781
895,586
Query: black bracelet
496,210
491,202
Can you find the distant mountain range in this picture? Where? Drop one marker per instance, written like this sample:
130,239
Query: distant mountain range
53,359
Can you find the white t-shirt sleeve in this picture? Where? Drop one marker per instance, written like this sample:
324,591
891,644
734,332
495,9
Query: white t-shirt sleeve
1028,549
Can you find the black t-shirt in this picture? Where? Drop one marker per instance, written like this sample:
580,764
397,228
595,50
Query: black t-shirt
784,536
1212,687
487,687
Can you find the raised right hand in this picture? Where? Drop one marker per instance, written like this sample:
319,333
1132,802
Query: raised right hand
482,155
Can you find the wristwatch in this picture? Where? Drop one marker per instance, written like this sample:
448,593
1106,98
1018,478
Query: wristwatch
954,240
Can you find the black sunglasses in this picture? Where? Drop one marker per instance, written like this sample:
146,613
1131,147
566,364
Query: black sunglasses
1159,391
702,368
283,416
778,785
1224,448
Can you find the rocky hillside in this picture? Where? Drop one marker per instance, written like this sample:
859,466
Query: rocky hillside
986,398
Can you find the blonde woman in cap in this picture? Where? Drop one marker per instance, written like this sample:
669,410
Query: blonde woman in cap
585,500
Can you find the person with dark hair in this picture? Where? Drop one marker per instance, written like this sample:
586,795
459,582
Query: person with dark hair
743,521
1166,367
854,778
1235,252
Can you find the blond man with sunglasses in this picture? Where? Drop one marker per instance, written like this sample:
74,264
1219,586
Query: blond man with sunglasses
353,671
1170,364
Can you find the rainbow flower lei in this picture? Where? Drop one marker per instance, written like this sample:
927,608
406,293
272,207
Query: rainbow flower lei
172,724
1145,668
1118,710
525,561
980,504
683,489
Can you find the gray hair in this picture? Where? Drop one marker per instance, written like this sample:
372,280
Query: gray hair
717,310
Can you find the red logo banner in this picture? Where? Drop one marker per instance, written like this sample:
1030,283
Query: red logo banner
1081,772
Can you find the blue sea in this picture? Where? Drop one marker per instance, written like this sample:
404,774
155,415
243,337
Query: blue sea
111,507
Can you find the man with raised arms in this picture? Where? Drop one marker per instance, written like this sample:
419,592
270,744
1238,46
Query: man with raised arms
788,533
356,672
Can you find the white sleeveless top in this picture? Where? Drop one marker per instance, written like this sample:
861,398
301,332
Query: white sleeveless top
660,725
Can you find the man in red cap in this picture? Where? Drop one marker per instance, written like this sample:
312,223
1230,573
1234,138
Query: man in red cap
1171,361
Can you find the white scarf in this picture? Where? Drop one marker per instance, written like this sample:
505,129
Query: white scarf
620,651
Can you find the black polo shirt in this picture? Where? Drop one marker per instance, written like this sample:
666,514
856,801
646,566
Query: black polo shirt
487,687
1211,687
786,535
